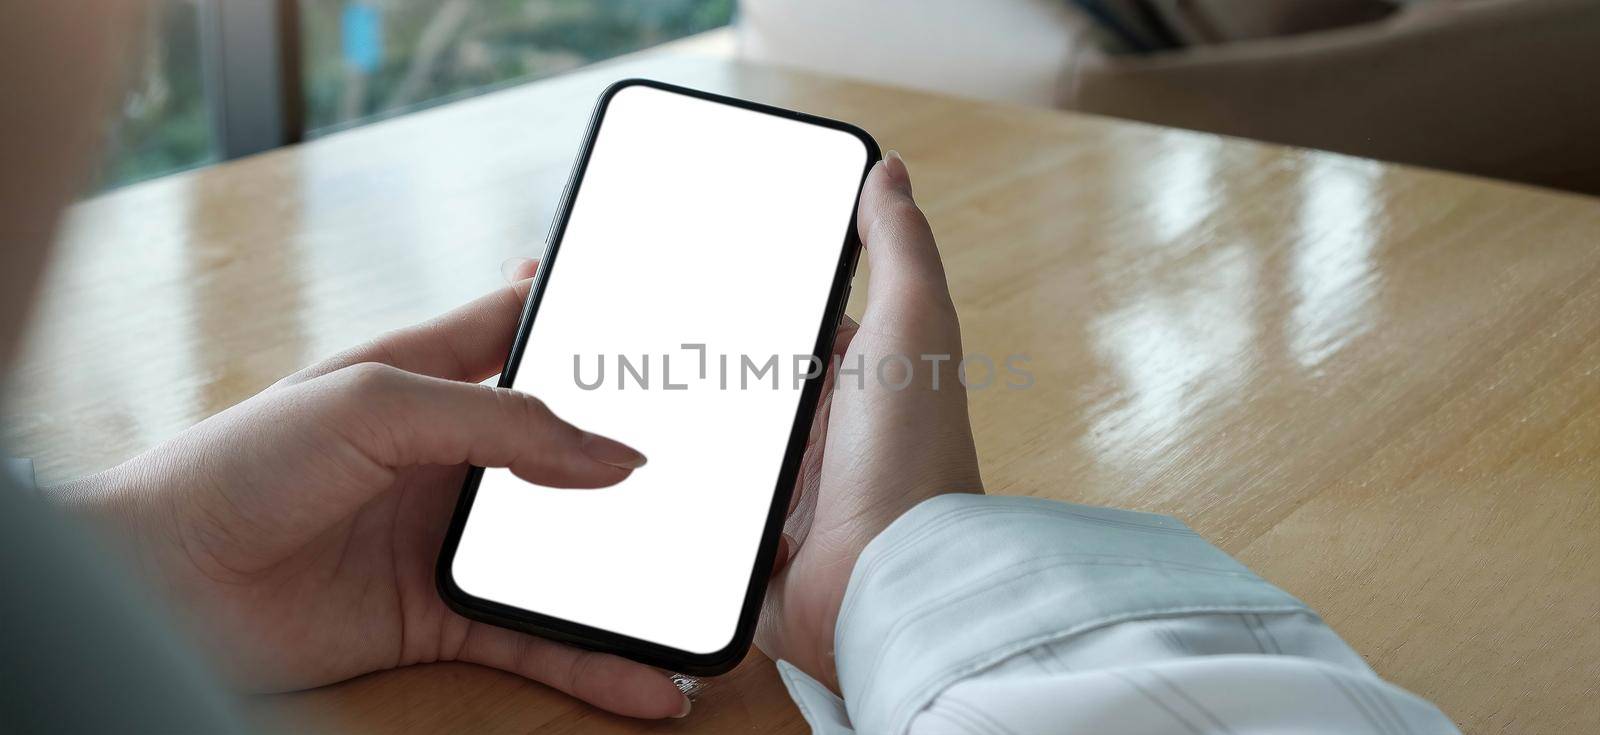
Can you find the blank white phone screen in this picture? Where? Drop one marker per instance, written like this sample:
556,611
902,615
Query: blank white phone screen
695,223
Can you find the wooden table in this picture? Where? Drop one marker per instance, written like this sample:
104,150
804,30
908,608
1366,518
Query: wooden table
1378,386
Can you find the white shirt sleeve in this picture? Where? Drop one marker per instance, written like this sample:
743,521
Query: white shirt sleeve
991,614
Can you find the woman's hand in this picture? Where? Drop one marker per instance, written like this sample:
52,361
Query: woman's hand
297,532
884,441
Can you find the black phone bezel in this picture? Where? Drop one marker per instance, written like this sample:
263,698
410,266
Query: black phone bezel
598,639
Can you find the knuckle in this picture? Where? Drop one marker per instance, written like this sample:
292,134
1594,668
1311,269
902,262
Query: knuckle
528,410
368,378
904,236
534,406
902,217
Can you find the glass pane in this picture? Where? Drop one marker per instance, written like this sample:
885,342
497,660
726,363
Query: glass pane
163,124
370,57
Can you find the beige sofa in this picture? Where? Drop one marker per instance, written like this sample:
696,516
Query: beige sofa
1503,88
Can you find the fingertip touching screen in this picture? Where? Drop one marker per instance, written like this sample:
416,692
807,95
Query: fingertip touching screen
694,271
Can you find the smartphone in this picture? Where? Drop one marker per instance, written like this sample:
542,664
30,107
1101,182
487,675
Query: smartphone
686,305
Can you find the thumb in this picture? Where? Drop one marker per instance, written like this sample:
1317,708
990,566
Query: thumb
906,273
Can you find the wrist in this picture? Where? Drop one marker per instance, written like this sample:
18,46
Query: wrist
800,629
102,499
119,507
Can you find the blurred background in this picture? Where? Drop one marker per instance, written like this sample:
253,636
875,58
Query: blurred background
344,62
1500,88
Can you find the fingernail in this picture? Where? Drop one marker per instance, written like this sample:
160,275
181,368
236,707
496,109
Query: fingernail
610,451
682,713
895,167
510,267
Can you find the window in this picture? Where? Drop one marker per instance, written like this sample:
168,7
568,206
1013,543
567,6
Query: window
163,124
211,82
375,57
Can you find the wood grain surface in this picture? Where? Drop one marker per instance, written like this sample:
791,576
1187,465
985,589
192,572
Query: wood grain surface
1377,386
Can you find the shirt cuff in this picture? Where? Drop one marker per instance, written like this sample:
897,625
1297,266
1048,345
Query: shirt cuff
963,582
823,710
